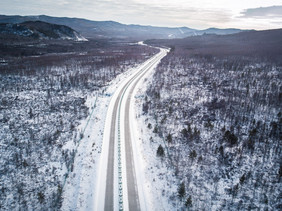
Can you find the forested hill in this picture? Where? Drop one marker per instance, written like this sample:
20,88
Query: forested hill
37,30
267,43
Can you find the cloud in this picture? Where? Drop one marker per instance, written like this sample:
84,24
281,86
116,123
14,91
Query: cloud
198,14
140,12
263,12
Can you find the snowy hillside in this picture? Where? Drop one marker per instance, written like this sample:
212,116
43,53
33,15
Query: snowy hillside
39,30
213,121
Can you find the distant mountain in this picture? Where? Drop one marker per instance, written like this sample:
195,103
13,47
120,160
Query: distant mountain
111,29
219,31
39,30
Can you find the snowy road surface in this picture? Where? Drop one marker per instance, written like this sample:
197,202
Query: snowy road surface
118,186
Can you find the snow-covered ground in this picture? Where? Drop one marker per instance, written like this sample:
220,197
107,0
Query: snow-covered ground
159,182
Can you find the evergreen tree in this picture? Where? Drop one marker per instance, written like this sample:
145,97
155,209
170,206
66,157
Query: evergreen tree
188,202
160,151
169,138
40,197
181,190
155,129
30,113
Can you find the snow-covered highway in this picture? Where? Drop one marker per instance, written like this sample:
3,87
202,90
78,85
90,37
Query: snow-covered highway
118,186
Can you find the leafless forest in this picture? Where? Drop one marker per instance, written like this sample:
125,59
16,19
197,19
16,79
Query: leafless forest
214,106
44,87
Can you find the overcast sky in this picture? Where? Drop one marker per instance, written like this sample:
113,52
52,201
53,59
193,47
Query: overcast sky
199,14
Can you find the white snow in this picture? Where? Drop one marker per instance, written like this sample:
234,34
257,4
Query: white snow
180,30
153,175
80,37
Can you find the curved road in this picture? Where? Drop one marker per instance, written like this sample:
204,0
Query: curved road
120,146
